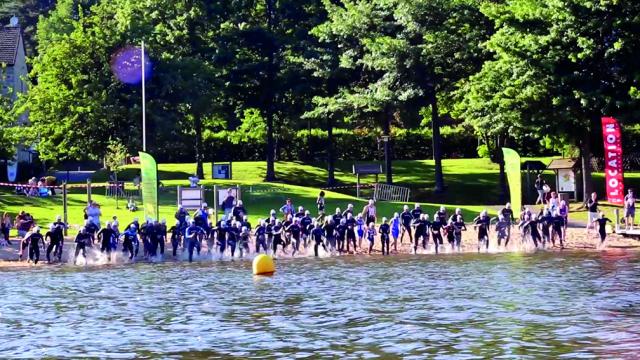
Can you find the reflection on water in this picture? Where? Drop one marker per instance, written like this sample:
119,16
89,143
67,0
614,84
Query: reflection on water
580,305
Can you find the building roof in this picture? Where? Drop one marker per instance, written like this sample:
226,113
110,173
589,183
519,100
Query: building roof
562,164
534,165
9,42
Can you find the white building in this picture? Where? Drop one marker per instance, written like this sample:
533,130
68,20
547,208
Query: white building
13,73
13,62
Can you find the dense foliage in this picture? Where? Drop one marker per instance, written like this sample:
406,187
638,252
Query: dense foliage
321,80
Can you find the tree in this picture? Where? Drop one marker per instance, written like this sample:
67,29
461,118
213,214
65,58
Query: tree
260,48
114,158
558,67
407,55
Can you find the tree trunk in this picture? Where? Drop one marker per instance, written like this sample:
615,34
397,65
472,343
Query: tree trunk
271,170
115,175
437,145
199,152
503,175
585,159
387,149
331,180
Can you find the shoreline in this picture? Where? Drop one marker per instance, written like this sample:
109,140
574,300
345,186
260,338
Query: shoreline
577,241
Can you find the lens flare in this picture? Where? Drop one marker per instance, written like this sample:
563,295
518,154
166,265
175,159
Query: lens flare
126,65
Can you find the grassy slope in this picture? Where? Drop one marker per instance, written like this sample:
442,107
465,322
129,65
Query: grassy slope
471,184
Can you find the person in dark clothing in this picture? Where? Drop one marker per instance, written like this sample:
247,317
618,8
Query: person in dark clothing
233,236
533,225
295,230
181,216
482,225
557,229
131,243
351,231
176,235
306,223
221,234
385,237
277,237
329,234
239,211
316,235
341,234
436,231
56,240
602,228
261,237
539,185
458,226
406,217
82,239
91,229
422,232
34,239
191,238
105,236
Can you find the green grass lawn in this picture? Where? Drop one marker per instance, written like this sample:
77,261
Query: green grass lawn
471,185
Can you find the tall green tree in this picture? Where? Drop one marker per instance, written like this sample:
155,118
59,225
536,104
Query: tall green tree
408,56
260,48
558,67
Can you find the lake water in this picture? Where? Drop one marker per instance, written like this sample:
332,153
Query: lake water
543,305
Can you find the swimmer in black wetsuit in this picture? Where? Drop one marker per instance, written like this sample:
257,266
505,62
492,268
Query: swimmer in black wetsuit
384,231
82,240
316,235
261,237
406,218
602,228
105,236
176,235
34,239
436,230
482,223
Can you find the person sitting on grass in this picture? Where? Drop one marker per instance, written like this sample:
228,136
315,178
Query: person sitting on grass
131,205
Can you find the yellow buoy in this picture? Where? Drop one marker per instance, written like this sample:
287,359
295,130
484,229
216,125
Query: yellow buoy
263,265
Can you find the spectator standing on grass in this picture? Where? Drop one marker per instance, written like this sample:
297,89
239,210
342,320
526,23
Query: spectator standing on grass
287,209
629,209
592,209
5,227
320,202
539,185
228,203
93,213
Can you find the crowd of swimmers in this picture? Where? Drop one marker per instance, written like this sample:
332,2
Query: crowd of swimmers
294,231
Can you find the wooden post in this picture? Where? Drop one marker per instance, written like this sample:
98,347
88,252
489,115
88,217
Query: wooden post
88,190
358,185
64,206
238,192
179,196
617,213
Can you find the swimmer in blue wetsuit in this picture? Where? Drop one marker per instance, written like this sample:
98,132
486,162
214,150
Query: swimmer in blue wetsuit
395,230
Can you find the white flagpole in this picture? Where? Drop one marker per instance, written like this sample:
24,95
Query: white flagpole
144,115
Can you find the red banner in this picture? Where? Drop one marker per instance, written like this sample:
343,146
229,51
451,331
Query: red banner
613,160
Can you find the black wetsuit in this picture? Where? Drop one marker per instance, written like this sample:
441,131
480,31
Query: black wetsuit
105,235
295,230
34,246
221,235
261,238
483,223
130,244
384,237
351,233
82,240
421,233
436,226
175,238
341,231
56,242
533,231
602,230
316,235
406,218
557,225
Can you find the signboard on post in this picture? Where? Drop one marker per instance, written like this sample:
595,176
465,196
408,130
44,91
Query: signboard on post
221,171
190,198
566,180
614,177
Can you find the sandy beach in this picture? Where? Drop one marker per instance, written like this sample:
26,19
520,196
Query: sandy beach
577,240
